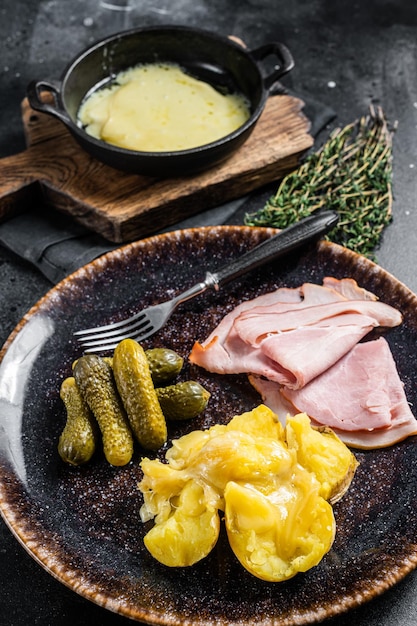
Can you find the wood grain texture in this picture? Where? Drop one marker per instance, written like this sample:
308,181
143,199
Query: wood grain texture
123,207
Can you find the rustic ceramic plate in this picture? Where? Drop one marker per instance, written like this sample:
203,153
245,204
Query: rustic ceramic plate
82,524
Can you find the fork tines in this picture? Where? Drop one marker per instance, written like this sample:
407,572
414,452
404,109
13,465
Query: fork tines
107,337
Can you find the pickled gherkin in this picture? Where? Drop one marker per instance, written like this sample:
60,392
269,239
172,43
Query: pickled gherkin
136,388
164,364
183,401
120,392
77,442
94,378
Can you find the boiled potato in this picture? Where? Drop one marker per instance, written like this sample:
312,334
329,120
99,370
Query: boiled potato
260,421
320,451
272,485
274,537
189,533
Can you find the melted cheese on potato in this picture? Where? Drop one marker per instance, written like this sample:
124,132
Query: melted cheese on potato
273,488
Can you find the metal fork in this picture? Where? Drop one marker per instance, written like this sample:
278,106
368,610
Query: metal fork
148,321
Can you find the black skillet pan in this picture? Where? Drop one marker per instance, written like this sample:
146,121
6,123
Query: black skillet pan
218,60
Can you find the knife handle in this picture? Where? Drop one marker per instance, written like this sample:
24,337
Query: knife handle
307,229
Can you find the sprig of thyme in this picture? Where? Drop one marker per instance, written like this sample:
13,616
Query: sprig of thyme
351,174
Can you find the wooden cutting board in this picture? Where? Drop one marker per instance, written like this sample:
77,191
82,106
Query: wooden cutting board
123,207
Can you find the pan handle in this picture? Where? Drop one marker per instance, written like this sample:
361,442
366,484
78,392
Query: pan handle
286,61
50,105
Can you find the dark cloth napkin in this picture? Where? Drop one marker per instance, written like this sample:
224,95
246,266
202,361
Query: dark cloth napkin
57,245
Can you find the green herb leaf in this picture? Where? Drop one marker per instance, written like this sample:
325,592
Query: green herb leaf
351,174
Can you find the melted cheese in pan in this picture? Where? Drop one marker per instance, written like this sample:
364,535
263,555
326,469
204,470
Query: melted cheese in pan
159,108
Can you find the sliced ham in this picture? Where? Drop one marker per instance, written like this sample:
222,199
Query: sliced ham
361,391
382,438
254,325
223,352
304,353
272,397
349,288
253,337
361,398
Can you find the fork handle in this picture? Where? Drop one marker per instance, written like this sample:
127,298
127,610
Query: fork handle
285,241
